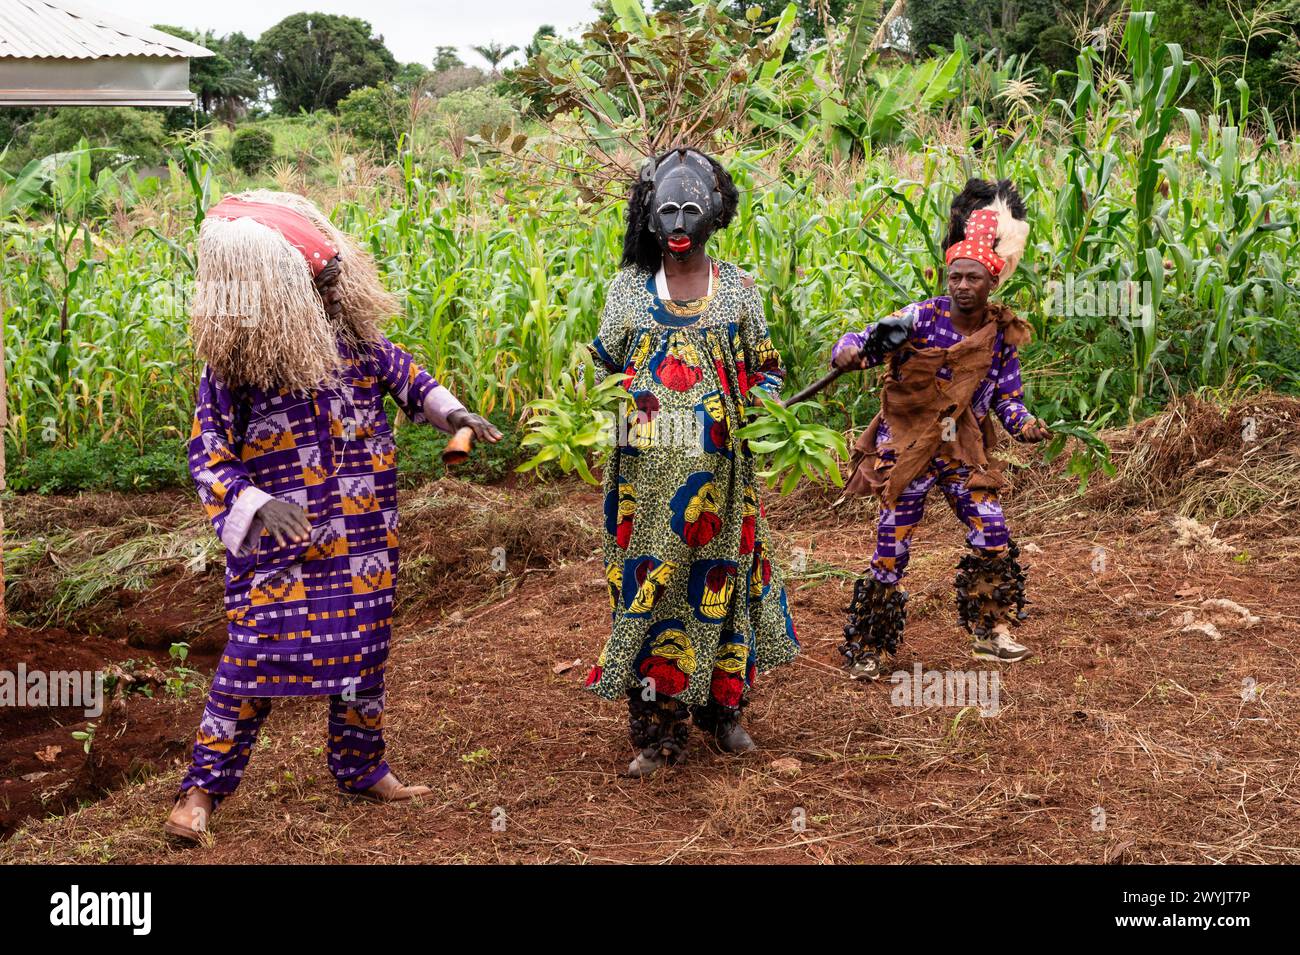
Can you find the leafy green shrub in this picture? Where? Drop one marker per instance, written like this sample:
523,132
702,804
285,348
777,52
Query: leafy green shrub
419,454
799,449
473,109
375,115
117,135
1089,453
252,149
99,466
573,424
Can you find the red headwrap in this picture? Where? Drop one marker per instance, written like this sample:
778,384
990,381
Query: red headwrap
981,234
297,229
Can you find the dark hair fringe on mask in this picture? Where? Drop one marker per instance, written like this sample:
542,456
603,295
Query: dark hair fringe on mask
977,194
640,247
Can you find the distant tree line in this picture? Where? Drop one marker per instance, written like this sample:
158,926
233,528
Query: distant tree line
314,61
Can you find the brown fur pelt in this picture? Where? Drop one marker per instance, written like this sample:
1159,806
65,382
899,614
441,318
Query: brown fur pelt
917,404
257,317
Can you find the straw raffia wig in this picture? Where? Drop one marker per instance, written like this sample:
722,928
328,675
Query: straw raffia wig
987,223
257,317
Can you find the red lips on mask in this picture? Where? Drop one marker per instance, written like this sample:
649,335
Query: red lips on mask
679,243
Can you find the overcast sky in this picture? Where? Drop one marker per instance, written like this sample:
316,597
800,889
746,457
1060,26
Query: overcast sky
411,29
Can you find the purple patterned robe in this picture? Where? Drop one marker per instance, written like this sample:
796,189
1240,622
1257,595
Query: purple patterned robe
311,618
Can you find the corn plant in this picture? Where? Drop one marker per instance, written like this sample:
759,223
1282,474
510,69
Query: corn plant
799,449
499,275
574,424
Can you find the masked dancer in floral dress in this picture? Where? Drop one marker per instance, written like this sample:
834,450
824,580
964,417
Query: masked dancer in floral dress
697,602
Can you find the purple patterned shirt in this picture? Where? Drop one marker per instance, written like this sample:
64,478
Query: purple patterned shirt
311,618
932,328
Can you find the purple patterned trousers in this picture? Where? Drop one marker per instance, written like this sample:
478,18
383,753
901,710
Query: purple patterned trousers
230,725
980,511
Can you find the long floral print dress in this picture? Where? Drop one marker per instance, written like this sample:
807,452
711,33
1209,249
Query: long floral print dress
698,605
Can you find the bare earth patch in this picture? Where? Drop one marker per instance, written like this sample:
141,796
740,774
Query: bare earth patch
1129,738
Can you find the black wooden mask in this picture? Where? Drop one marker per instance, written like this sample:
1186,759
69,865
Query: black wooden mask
685,204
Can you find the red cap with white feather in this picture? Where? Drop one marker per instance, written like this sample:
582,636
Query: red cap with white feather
988,224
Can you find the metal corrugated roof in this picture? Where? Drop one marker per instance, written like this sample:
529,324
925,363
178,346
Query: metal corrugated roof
66,30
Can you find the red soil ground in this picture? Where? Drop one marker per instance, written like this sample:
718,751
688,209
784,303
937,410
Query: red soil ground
1127,739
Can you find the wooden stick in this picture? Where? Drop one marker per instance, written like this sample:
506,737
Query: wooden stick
821,383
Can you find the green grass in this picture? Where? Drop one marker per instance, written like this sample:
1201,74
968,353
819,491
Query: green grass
119,466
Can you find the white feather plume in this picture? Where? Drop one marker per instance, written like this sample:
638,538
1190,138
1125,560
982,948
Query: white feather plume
1013,233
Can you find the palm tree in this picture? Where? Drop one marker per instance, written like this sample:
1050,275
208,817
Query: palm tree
494,53
225,89
535,46
225,82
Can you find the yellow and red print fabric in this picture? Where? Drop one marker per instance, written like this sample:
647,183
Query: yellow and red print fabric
697,605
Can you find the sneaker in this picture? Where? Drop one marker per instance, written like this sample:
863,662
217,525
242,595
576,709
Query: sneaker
866,667
1000,647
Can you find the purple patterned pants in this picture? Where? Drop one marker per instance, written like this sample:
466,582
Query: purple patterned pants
229,729
980,511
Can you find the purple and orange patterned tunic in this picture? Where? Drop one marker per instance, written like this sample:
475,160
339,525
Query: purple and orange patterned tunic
312,618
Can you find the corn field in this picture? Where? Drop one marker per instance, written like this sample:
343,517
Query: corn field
502,276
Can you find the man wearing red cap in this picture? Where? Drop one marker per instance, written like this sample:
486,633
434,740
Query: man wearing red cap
952,360
295,463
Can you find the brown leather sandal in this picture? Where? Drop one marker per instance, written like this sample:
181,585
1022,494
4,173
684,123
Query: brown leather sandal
390,789
189,817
